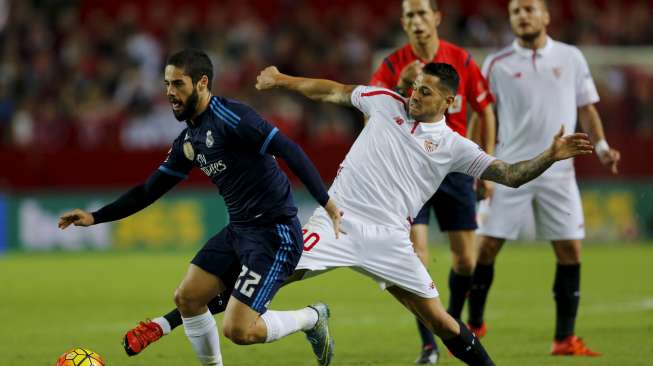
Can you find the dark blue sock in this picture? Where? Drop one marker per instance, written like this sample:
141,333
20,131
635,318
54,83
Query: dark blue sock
566,292
428,340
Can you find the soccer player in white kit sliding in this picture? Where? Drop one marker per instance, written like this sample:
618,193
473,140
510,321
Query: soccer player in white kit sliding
539,83
395,165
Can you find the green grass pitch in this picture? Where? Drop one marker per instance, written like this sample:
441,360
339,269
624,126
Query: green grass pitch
52,302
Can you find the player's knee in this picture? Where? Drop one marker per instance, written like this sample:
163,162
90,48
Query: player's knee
464,265
237,334
488,250
185,301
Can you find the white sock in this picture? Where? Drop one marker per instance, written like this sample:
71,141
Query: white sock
163,323
283,323
202,333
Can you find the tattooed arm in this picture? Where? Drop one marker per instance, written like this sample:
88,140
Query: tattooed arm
514,175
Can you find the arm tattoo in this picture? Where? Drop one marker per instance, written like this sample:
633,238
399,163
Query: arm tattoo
514,175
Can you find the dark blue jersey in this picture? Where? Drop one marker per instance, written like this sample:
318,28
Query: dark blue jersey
229,143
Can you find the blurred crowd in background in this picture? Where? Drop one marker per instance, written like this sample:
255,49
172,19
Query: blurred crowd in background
88,74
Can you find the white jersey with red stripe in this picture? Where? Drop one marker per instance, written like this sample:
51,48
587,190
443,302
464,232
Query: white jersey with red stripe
536,92
396,164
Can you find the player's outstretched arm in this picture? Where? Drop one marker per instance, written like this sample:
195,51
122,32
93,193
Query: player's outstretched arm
128,204
563,147
320,90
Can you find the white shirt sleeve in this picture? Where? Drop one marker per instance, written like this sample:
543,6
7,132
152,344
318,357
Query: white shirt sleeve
369,98
470,158
485,71
585,89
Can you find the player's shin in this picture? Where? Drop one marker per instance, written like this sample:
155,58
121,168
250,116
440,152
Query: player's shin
202,333
282,323
566,291
481,282
466,347
459,286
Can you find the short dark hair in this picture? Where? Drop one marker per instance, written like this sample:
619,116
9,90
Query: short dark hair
196,63
446,73
544,2
433,3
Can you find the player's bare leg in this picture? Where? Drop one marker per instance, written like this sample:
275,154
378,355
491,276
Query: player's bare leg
243,325
488,250
461,342
430,353
149,331
566,290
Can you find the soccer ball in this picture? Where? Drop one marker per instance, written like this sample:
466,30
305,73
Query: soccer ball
80,357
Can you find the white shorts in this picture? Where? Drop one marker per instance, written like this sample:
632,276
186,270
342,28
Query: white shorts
382,253
554,204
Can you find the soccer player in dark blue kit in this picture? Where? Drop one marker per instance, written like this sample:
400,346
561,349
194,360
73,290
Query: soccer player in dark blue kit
262,243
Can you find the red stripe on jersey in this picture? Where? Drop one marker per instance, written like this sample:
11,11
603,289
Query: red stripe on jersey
499,57
385,92
472,166
414,127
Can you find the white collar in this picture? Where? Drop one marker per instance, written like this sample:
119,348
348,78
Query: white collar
527,52
432,126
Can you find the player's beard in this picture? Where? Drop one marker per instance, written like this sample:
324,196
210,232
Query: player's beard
530,37
190,107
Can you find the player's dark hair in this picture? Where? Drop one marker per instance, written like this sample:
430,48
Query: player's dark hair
433,4
544,2
446,73
195,63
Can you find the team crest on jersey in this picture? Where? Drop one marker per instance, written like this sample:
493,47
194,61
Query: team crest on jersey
209,138
557,71
430,146
189,152
400,121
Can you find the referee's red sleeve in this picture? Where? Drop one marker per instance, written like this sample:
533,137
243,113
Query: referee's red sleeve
477,89
383,77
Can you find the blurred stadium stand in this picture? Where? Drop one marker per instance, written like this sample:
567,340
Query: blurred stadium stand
82,101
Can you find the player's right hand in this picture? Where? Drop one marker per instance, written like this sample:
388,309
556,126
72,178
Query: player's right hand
77,217
409,74
267,79
336,216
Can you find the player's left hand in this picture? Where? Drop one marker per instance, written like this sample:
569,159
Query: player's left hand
77,217
565,147
336,216
610,158
267,79
484,189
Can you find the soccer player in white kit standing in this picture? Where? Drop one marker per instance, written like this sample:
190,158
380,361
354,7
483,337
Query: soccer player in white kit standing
394,166
539,83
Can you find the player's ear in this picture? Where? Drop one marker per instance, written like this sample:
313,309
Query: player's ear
437,18
450,99
203,83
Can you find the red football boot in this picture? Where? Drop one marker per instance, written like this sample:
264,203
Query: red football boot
571,346
479,332
140,337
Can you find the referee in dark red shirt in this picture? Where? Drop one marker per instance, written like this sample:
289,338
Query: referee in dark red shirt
455,201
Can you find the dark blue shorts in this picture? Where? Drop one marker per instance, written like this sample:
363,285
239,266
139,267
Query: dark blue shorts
253,261
454,204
